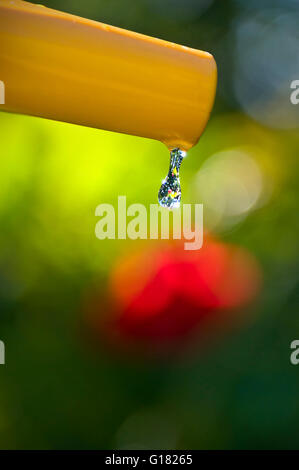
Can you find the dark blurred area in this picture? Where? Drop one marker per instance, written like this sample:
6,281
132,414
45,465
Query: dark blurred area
121,344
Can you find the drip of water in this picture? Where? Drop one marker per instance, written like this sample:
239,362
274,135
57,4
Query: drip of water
170,192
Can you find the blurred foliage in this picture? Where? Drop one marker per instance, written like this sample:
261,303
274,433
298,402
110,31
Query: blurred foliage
58,389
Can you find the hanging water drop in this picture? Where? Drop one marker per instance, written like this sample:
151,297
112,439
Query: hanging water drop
170,192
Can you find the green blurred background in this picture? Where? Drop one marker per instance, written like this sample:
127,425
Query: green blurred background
57,391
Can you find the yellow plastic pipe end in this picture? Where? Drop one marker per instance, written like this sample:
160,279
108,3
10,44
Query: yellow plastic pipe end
63,67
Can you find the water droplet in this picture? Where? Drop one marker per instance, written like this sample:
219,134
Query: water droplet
170,192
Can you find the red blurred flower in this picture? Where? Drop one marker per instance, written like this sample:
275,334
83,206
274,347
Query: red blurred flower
161,297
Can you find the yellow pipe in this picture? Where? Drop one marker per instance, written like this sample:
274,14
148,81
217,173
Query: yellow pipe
63,67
